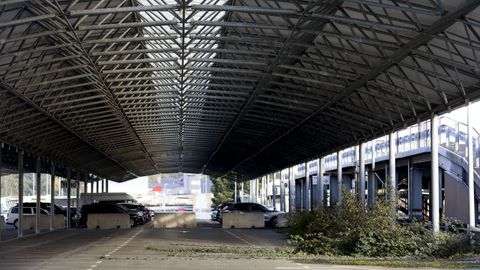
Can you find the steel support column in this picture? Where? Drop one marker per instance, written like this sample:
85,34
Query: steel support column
282,191
69,196
38,185
252,186
52,197
471,184
321,187
372,188
409,186
392,179
241,192
256,194
264,189
256,190
361,175
274,200
250,193
339,176
316,195
235,193
77,198
253,190
291,190
372,181
354,184
415,203
307,190
106,186
434,187
20,194
98,186
259,191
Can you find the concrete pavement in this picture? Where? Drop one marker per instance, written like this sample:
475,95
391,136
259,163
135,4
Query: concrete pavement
207,247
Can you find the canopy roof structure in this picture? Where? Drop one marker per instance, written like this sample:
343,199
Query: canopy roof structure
124,88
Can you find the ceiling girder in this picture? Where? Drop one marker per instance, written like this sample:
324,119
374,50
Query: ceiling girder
187,84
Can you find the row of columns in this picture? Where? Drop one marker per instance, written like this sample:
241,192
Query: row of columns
37,188
259,186
307,200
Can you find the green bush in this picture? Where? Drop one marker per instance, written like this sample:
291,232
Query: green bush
350,230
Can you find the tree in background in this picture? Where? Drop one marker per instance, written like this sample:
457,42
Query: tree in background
222,190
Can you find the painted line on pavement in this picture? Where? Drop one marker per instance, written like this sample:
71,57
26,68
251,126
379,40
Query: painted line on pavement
115,249
240,238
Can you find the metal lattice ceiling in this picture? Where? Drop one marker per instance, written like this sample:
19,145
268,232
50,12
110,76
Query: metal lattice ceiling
126,88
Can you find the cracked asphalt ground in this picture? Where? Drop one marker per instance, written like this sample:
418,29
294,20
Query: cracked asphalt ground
206,247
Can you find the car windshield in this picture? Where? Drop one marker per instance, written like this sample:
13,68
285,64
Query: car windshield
122,208
130,206
258,207
242,207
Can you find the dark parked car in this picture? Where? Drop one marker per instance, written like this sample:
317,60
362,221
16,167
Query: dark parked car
147,215
271,217
106,207
220,209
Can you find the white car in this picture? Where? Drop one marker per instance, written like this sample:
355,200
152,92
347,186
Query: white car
272,217
12,215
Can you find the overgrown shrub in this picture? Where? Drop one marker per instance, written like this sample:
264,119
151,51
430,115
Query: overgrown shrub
350,230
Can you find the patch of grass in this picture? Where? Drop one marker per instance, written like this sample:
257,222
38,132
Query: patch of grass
231,252
447,264
224,251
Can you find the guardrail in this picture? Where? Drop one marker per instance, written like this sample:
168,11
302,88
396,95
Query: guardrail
452,135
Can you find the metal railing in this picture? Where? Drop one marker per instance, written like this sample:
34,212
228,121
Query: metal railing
414,139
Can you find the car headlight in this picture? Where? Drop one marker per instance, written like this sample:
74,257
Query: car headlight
140,214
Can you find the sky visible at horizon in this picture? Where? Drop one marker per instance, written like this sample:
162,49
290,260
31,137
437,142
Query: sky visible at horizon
461,115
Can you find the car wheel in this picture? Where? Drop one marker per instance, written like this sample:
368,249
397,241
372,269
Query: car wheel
15,223
274,222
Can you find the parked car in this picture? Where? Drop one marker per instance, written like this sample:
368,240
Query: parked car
28,210
106,207
146,217
59,210
149,214
220,209
271,216
214,214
